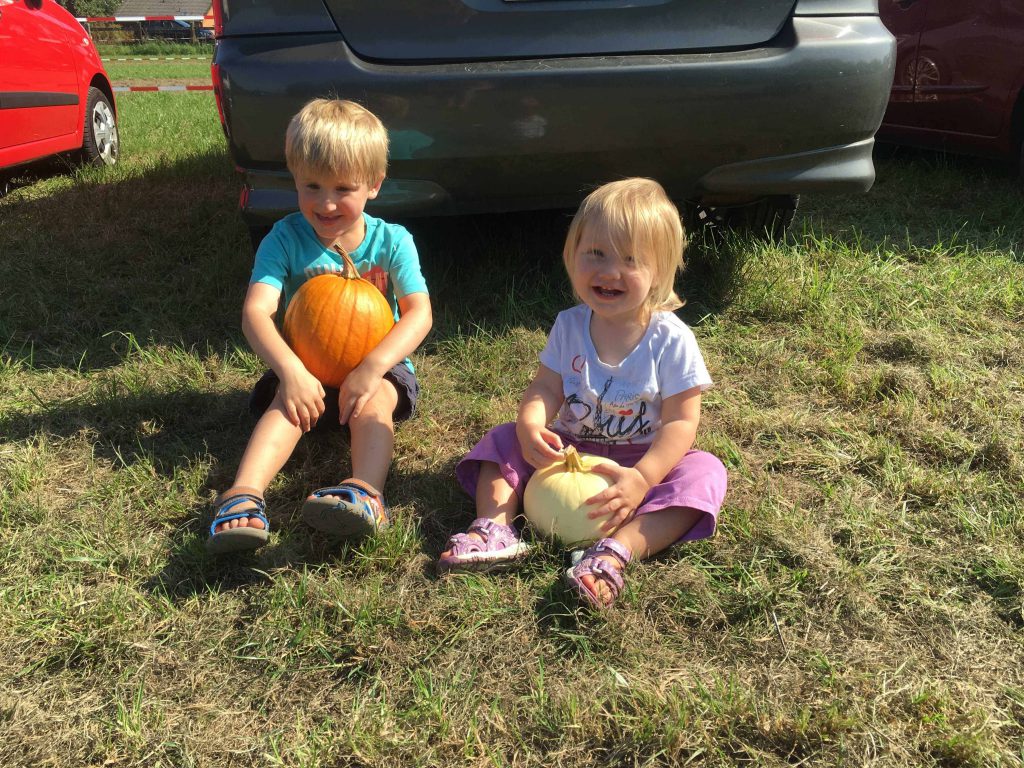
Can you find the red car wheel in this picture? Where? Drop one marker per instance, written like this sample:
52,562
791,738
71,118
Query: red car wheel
100,144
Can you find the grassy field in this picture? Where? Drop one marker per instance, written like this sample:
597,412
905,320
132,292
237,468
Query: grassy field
861,604
155,63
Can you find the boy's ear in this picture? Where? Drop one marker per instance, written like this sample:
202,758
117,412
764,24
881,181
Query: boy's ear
374,189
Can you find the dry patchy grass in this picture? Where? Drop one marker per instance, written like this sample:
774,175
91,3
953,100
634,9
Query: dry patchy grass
861,604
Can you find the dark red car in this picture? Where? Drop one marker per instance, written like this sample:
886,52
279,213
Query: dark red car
959,82
55,95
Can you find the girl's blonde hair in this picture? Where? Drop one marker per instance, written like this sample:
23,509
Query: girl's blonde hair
332,136
642,222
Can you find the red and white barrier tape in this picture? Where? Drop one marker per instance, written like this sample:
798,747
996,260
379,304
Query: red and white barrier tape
141,18
153,88
159,58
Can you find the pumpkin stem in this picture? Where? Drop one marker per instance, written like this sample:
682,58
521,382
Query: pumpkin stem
572,460
350,272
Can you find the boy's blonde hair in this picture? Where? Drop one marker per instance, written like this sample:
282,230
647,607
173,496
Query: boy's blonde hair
332,136
641,221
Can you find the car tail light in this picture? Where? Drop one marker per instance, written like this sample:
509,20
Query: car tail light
218,97
218,18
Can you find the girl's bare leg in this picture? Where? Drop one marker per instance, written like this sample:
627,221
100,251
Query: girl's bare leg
644,536
495,498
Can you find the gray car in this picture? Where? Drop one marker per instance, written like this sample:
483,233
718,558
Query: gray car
735,106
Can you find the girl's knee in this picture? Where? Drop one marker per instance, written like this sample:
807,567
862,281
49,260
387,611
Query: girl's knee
707,463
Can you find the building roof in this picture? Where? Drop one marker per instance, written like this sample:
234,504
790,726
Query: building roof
163,8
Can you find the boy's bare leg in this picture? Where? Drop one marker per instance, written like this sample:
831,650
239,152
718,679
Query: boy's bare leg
270,445
644,536
495,498
373,437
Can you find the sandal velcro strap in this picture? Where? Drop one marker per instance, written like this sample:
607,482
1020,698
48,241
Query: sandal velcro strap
493,537
485,546
593,564
610,547
241,537
487,527
225,505
360,496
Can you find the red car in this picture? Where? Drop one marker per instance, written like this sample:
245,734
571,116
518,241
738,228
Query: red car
55,95
959,82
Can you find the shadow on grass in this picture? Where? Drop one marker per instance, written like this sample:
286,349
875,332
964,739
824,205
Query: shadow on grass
317,461
160,257
164,258
924,201
12,179
441,506
493,272
167,430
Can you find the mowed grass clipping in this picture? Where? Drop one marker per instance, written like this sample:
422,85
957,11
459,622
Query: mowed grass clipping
860,605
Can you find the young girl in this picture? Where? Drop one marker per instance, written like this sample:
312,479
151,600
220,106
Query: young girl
621,377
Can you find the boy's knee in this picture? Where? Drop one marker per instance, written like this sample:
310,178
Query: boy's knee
381,406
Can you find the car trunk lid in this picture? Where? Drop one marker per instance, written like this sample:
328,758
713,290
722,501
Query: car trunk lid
479,30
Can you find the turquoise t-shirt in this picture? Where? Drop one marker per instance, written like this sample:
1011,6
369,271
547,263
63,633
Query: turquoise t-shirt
292,253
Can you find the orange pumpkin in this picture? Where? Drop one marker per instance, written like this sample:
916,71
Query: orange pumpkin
334,320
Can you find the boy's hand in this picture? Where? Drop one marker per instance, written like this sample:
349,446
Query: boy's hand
302,396
619,501
540,446
356,391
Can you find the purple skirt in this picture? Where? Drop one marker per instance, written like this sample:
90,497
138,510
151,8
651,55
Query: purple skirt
698,481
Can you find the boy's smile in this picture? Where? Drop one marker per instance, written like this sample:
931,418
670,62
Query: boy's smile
333,205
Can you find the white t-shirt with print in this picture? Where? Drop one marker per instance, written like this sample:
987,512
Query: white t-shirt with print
620,403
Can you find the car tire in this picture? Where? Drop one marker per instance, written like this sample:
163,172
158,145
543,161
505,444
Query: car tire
100,144
767,218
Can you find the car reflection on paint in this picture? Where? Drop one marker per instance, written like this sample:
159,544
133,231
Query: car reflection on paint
959,82
174,29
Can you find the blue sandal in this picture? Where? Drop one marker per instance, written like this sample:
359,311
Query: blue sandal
244,537
351,509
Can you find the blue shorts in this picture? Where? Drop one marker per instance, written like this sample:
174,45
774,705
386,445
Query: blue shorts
403,379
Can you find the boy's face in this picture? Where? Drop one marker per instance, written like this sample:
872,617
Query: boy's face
334,206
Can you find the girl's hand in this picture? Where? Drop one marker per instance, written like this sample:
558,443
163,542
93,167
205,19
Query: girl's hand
618,502
302,396
540,446
356,391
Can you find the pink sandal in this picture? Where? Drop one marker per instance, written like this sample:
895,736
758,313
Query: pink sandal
592,564
500,548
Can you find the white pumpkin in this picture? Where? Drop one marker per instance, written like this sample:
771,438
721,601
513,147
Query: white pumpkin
553,500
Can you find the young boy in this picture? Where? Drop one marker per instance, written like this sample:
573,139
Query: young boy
337,153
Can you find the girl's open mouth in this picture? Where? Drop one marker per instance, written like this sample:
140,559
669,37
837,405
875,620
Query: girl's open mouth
608,293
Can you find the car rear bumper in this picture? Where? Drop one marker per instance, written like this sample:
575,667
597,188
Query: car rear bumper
796,116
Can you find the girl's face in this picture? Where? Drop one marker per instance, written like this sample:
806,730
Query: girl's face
334,206
613,284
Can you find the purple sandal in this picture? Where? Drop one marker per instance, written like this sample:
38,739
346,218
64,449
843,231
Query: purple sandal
591,564
501,547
